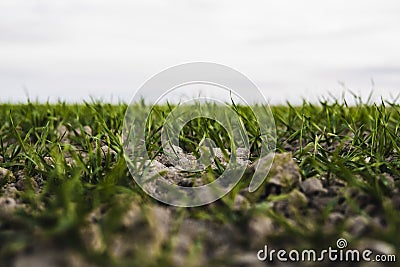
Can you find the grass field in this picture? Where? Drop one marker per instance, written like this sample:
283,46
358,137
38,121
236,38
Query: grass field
67,198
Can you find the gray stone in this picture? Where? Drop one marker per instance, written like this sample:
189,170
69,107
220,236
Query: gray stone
378,246
247,259
357,225
7,206
283,175
6,174
240,203
106,150
86,131
259,227
312,185
48,257
146,229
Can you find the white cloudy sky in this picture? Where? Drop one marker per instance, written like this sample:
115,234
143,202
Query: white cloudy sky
77,49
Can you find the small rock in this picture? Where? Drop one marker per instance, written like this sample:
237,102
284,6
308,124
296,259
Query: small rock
7,204
216,151
389,182
146,229
320,203
218,240
242,157
174,175
294,203
63,134
62,131
49,257
92,238
24,183
6,174
248,259
379,247
86,129
335,218
174,156
70,161
242,153
157,166
334,190
378,222
108,151
284,171
297,198
171,155
9,190
160,219
49,161
259,227
283,175
131,216
152,168
357,225
240,203
312,185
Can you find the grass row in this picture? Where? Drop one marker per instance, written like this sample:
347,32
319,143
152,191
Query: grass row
358,145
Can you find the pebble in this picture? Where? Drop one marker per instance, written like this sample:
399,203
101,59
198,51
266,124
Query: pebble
50,257
379,247
49,161
283,175
294,203
219,242
108,151
6,174
7,205
240,203
62,131
131,216
70,161
247,259
357,225
284,171
92,238
333,220
24,183
146,229
389,182
259,227
174,156
9,190
87,130
312,185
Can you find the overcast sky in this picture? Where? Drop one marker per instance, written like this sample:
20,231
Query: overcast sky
77,49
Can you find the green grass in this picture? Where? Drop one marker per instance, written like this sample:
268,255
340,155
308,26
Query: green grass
59,203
